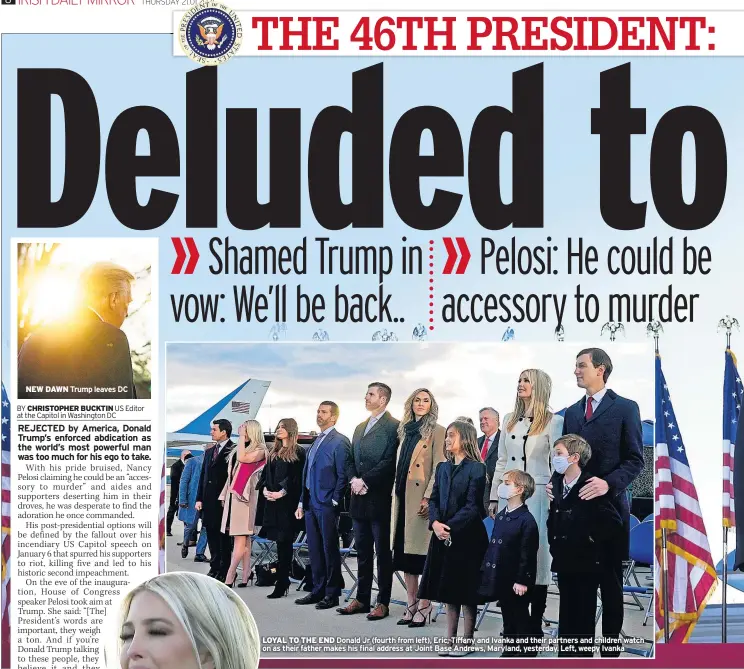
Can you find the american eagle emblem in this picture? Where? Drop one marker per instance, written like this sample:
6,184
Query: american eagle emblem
211,31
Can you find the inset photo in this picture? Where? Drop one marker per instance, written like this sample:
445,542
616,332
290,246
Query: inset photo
85,318
183,621
418,500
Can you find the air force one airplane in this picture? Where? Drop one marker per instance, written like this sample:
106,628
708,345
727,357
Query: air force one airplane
237,406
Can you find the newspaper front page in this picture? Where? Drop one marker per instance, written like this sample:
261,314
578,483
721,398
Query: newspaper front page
370,335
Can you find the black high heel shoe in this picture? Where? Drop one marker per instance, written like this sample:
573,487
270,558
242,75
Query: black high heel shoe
424,613
232,585
245,584
411,612
279,591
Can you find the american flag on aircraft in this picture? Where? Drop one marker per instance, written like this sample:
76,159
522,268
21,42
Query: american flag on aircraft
692,576
241,407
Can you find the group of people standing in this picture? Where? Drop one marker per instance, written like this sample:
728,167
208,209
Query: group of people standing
419,492
222,487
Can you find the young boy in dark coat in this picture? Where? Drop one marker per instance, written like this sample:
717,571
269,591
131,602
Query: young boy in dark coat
584,534
509,567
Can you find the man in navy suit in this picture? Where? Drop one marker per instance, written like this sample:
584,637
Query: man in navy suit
323,483
489,446
612,426
211,483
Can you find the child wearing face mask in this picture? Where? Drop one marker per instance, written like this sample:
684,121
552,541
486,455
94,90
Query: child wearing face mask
582,534
510,564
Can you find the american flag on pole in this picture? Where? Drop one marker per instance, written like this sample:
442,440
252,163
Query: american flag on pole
5,432
161,523
241,407
733,389
692,577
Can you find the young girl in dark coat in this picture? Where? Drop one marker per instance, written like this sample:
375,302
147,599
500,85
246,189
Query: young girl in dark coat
452,570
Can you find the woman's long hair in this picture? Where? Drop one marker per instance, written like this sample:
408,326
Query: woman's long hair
541,414
254,436
427,423
468,441
216,620
286,449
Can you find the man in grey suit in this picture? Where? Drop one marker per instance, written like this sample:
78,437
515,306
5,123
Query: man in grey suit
370,469
489,445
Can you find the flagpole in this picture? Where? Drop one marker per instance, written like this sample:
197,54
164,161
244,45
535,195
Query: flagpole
665,582
724,620
725,583
727,324
655,328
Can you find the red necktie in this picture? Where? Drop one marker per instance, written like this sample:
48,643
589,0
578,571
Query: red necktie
215,452
484,450
589,409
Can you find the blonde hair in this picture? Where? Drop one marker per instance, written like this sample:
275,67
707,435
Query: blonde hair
215,619
574,444
541,414
468,441
101,279
522,479
286,449
427,422
254,435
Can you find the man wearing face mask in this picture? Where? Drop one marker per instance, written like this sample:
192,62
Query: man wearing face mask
510,564
86,356
612,426
584,535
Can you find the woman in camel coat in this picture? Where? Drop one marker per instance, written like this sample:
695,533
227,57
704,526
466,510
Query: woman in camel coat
240,497
421,450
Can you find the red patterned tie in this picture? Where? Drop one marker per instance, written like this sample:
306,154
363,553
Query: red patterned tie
589,409
215,452
484,450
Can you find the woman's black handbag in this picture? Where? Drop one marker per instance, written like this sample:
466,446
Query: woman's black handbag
266,573
297,571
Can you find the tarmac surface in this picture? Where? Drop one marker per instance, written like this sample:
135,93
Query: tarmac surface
293,631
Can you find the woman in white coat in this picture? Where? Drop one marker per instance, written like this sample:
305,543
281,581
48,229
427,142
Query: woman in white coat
526,443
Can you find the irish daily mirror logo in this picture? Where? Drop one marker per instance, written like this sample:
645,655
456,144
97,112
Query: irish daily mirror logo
210,33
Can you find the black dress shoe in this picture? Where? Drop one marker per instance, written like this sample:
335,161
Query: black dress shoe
308,599
327,603
168,534
201,558
184,551
212,573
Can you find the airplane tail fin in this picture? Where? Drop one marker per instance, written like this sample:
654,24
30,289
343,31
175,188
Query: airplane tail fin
237,406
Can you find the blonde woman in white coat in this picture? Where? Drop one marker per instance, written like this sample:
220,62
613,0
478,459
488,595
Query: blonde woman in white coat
526,443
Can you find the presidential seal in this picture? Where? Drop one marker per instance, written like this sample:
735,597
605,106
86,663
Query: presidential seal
210,33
